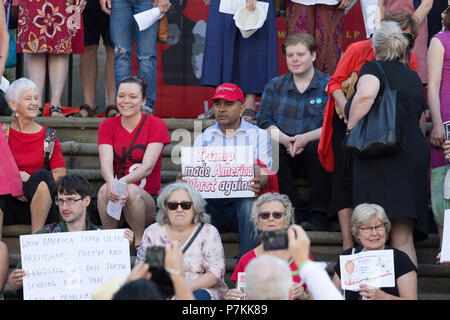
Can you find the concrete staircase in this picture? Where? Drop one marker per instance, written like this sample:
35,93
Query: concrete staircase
78,138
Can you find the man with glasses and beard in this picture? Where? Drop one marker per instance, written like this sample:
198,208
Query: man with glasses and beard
73,199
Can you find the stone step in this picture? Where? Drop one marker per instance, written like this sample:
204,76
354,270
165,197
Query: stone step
86,129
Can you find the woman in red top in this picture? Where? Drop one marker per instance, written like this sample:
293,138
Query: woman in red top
26,140
130,148
271,211
331,153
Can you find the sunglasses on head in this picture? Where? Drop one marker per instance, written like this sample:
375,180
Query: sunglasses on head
275,215
185,205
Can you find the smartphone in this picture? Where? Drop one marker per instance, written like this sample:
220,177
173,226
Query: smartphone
274,239
155,257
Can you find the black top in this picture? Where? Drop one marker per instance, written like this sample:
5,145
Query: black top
398,181
402,265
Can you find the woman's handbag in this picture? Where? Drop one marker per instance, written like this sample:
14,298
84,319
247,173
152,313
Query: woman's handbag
376,133
163,29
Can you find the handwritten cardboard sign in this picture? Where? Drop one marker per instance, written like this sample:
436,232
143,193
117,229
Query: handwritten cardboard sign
71,265
219,172
374,267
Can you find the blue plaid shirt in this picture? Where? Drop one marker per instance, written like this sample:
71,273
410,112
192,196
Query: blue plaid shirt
283,106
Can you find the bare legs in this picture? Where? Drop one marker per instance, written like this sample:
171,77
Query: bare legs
58,65
139,211
40,206
89,72
249,103
401,236
345,216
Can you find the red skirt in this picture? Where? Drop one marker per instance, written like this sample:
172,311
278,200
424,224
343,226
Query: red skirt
54,26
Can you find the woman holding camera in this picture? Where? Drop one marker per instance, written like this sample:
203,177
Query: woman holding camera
182,218
371,226
271,211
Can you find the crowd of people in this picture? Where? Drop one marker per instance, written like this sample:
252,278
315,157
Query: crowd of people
304,115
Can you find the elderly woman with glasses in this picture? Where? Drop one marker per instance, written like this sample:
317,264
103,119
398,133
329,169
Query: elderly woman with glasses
271,211
370,226
37,153
182,218
130,148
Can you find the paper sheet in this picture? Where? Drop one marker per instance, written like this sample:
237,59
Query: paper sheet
230,6
5,84
374,267
445,250
114,209
147,18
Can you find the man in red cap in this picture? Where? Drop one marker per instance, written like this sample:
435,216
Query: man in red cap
233,214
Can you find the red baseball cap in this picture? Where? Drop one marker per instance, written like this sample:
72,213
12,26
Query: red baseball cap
229,92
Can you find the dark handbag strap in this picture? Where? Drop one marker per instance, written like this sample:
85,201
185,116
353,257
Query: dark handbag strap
386,84
192,239
124,160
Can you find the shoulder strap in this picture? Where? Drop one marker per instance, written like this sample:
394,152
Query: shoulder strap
123,161
378,64
192,239
49,145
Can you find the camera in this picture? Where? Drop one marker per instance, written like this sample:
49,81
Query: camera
155,256
275,239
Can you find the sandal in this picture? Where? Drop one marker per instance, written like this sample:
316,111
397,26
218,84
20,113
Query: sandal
90,112
113,108
58,111
249,114
207,115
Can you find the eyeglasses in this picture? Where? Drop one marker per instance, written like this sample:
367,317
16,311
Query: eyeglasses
69,202
378,228
275,215
185,205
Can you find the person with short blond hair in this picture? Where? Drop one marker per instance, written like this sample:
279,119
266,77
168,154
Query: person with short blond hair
370,227
396,181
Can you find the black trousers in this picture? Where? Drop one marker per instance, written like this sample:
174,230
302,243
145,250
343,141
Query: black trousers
18,212
307,166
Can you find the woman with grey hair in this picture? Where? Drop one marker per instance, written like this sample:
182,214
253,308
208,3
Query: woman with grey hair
182,218
397,181
271,211
370,226
38,156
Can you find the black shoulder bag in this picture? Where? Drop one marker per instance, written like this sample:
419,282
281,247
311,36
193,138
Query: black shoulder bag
376,133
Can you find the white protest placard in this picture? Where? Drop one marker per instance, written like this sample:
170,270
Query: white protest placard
374,267
71,265
445,249
219,172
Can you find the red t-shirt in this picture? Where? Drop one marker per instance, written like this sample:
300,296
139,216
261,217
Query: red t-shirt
28,151
113,133
249,256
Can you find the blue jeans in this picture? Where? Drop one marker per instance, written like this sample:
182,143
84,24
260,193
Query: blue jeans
124,30
233,215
